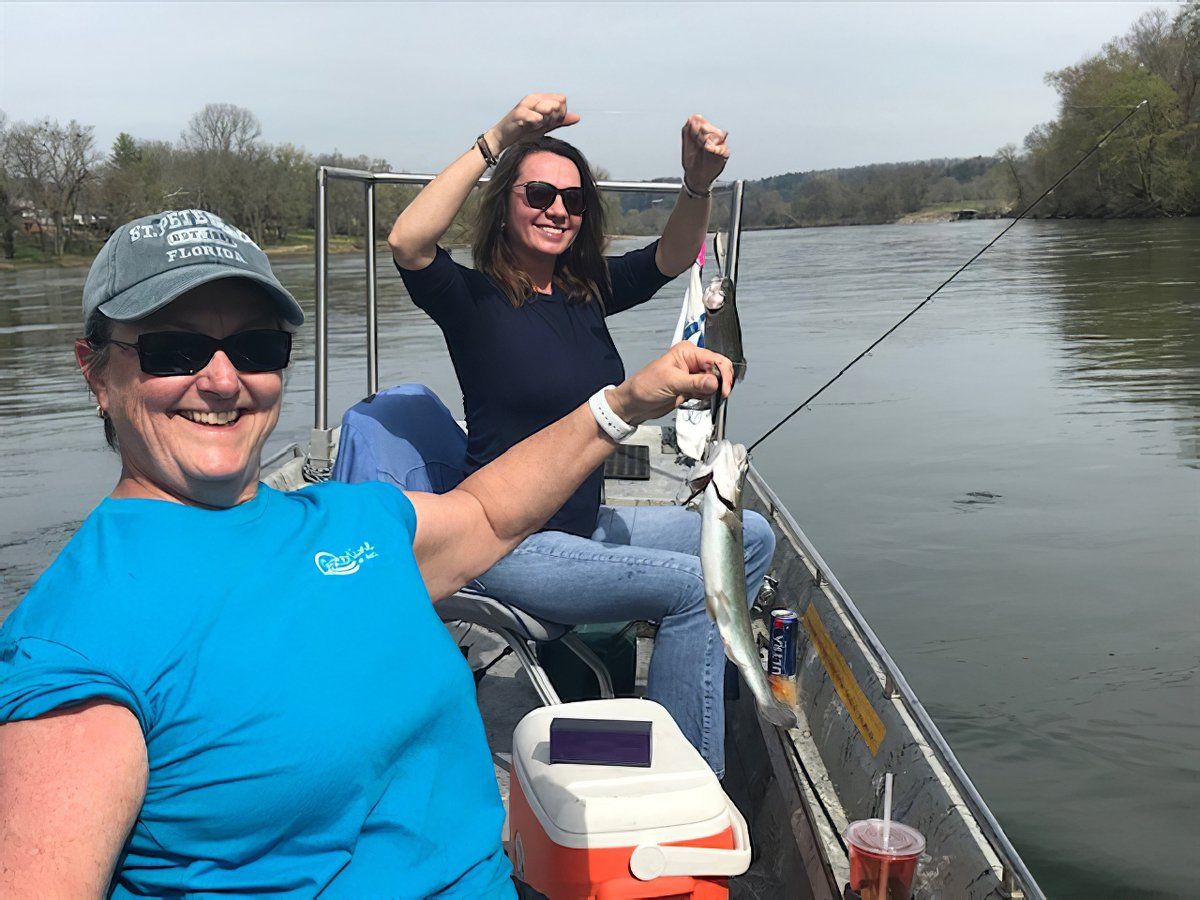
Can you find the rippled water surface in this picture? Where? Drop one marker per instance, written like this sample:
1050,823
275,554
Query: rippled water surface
1008,487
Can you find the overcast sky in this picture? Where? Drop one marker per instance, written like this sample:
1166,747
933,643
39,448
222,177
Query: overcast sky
799,86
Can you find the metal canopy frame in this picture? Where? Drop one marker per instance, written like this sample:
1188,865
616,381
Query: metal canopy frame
321,442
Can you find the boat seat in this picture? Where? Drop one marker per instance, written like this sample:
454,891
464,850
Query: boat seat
406,436
492,614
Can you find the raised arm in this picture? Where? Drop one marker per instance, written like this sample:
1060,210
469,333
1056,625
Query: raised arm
71,785
460,534
704,156
420,226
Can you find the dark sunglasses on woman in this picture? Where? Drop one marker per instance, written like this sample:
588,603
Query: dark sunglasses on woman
541,194
187,352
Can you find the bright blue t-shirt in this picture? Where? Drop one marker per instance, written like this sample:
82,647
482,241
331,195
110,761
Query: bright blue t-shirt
311,725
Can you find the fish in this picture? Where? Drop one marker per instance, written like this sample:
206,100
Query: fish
723,563
722,328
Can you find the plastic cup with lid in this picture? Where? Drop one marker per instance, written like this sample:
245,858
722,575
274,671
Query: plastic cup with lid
883,858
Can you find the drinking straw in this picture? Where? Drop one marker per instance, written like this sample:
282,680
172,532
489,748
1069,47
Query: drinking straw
887,831
887,807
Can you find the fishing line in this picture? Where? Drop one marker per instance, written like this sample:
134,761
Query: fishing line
915,309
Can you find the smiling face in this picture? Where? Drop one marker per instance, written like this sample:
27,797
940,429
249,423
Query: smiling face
194,439
535,234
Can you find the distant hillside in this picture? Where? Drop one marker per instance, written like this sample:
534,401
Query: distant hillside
864,195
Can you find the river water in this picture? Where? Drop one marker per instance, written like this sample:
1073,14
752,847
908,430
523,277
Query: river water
1009,487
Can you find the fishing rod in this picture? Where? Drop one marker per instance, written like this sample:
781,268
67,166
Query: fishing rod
917,308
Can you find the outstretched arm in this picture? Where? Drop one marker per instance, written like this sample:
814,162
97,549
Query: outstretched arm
420,226
460,534
704,156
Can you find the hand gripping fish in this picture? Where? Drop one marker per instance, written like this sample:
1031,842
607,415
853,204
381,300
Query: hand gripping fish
723,562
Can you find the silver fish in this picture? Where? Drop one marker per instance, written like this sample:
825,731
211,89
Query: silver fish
723,562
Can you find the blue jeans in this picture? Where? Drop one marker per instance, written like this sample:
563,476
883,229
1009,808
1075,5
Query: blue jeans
642,562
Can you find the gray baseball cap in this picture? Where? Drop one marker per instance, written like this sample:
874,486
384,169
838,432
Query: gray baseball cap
153,260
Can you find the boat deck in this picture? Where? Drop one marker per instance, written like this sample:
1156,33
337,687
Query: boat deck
505,695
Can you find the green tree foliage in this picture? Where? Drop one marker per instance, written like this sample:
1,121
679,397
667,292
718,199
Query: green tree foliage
877,194
1151,167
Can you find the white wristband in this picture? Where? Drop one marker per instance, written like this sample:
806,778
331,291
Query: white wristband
612,424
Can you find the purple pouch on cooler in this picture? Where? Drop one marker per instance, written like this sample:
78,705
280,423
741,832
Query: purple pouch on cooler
600,742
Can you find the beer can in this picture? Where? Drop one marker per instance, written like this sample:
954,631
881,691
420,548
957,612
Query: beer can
781,657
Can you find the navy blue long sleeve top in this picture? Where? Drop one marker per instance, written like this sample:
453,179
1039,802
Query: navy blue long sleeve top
522,368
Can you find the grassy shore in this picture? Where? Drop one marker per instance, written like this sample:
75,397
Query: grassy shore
299,243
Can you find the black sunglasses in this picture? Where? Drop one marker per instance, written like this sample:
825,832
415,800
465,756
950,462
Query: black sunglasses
187,352
541,195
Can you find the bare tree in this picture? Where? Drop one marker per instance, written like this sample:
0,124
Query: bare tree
53,162
222,128
1008,156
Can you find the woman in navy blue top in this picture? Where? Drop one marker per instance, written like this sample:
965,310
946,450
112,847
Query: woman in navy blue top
527,335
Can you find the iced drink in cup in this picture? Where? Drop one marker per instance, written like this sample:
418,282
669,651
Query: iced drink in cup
883,869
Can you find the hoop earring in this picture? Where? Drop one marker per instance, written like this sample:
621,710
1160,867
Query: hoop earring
101,412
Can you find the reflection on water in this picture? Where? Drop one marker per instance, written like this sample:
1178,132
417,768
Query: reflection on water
1007,486
1128,315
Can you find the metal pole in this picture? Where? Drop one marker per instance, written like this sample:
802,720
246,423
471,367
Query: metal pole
735,230
321,392
318,463
372,311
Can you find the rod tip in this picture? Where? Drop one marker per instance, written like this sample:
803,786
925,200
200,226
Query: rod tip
1143,103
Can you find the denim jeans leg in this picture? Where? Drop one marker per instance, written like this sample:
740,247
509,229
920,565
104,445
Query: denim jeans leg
641,564
677,529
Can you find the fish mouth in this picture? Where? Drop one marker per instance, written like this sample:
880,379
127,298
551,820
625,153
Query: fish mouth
724,469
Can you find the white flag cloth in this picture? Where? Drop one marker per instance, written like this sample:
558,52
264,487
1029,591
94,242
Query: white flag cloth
693,427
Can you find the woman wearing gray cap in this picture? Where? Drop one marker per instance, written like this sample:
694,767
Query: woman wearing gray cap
219,688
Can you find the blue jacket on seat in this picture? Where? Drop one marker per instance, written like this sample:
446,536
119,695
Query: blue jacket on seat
404,435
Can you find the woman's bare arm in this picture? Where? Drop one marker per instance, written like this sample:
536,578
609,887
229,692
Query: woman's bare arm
704,156
420,226
460,534
71,785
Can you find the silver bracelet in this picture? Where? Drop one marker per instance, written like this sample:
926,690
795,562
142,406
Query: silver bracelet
610,423
695,195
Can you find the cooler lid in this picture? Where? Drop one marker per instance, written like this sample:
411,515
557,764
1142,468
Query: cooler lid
677,789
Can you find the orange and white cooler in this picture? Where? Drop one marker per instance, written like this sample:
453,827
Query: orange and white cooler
598,832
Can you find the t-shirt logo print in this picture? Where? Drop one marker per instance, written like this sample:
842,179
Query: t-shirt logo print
344,563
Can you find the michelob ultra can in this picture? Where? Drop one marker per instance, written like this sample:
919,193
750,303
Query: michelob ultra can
781,656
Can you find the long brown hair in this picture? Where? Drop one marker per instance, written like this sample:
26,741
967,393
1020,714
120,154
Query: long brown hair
580,271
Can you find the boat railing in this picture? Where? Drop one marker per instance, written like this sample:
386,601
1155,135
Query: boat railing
320,448
1017,880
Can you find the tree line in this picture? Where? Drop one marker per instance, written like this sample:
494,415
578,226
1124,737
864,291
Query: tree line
60,193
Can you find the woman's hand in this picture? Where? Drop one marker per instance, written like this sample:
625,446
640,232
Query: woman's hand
683,373
704,152
534,116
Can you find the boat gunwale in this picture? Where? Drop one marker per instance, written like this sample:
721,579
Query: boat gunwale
902,692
